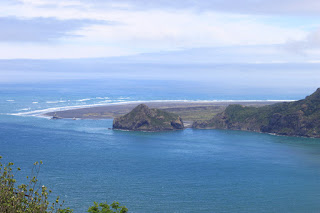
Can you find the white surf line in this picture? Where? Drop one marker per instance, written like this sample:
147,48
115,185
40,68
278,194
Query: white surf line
39,113
55,109
55,102
24,109
85,99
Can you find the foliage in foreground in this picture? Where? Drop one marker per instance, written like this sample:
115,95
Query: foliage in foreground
105,208
33,198
30,197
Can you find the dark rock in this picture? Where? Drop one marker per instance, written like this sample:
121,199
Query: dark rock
142,118
55,117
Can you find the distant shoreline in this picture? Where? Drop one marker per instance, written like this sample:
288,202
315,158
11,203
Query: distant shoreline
188,110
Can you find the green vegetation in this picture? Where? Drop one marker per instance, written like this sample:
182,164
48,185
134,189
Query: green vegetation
298,118
28,197
142,118
196,112
33,198
186,113
105,208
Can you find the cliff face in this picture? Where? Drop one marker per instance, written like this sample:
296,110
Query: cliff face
142,118
298,118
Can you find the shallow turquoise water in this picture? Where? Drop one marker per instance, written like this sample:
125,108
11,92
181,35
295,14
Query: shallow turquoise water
180,171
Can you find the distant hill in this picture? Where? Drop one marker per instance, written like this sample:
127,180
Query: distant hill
142,118
298,118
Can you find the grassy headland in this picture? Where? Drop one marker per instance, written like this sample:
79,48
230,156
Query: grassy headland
297,118
188,111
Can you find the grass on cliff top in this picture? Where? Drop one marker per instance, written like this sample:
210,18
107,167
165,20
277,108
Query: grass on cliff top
196,113
186,113
309,109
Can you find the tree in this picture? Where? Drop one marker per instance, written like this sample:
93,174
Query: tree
30,197
105,208
33,198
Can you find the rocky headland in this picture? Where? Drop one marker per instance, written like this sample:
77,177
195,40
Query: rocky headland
142,118
298,118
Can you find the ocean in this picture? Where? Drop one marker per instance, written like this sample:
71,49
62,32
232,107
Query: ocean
180,171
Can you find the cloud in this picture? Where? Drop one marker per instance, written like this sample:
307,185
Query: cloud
44,3
265,7
85,28
310,44
137,32
172,30
40,29
280,7
59,50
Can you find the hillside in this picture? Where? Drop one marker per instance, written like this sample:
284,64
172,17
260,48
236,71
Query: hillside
298,118
142,118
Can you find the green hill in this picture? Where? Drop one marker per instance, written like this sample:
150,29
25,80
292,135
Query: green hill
298,118
142,118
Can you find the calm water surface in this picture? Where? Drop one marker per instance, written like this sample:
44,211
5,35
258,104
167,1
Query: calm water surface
180,171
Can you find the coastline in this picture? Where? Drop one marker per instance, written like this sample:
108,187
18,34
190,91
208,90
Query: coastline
187,110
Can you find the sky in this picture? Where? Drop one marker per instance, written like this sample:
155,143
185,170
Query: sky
215,31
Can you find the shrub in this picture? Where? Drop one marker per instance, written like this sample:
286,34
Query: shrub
33,198
105,208
30,197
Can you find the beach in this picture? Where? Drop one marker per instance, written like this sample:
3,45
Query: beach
187,110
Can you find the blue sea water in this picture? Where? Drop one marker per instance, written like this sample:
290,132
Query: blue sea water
180,171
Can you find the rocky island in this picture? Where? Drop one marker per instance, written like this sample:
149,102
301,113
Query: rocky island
298,118
142,118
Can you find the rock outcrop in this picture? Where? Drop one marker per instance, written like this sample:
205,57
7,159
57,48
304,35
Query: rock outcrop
142,118
298,118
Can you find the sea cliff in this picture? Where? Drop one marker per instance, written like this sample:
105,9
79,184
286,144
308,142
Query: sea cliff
298,118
